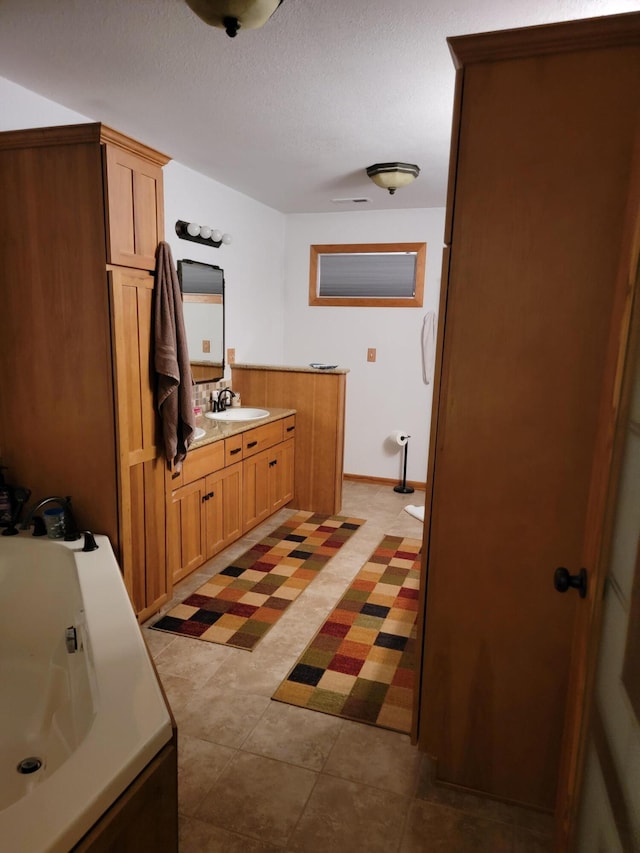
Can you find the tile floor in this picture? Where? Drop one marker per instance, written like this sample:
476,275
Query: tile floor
258,776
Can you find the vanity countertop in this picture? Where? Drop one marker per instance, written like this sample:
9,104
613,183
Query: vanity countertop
289,368
217,430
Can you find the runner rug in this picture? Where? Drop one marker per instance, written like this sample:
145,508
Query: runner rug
360,664
240,604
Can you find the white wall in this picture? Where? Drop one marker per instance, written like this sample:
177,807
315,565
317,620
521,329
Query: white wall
386,395
253,264
22,108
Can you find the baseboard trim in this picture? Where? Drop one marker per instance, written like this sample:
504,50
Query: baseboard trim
383,481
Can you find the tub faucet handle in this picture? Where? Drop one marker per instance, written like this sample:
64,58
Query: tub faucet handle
90,543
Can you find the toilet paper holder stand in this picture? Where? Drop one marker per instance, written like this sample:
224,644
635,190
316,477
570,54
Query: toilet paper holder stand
402,487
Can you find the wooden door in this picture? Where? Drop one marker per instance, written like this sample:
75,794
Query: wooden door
223,508
255,487
604,691
537,210
141,473
186,529
281,475
135,208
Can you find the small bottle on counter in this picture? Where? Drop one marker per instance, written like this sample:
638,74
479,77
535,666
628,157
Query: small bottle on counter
235,401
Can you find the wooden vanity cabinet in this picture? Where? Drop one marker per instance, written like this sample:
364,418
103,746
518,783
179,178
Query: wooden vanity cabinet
78,413
226,488
204,517
268,482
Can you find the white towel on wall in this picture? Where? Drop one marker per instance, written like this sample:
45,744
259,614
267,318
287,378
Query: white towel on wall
429,333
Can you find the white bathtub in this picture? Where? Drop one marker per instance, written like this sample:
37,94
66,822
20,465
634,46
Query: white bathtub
95,717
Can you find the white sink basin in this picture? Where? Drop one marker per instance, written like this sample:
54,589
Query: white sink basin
238,413
199,433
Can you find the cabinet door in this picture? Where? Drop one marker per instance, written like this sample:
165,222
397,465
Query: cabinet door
255,484
185,529
223,508
142,551
134,208
281,475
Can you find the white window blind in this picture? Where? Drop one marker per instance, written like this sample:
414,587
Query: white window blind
371,275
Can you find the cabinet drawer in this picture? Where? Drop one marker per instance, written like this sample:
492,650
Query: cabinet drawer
261,437
200,462
232,449
289,427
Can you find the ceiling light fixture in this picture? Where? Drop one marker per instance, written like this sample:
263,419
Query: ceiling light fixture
232,15
390,176
201,234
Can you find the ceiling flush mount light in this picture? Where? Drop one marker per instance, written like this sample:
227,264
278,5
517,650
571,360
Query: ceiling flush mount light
232,15
201,234
390,176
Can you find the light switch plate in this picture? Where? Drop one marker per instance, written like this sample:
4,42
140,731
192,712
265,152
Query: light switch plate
231,356
371,354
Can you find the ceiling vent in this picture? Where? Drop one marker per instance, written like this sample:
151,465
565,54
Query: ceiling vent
351,200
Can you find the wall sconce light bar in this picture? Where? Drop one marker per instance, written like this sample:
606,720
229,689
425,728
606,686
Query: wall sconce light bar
203,234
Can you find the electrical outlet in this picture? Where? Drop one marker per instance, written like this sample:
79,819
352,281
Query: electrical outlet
231,356
206,346
371,354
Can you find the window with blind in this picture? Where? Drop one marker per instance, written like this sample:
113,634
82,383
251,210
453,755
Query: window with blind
389,275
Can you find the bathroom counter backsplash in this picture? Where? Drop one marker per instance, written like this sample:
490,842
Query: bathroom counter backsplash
217,430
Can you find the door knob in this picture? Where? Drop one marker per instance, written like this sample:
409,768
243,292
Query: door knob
563,580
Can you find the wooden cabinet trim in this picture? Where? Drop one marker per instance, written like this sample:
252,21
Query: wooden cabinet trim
586,34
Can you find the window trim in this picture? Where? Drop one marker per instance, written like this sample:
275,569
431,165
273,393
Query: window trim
367,301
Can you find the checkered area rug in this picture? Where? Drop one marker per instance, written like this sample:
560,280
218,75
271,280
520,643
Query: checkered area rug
240,604
360,664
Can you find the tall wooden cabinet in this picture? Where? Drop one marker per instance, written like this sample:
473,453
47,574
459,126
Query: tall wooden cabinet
81,214
536,278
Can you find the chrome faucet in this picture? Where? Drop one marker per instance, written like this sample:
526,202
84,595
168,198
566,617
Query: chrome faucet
70,526
222,405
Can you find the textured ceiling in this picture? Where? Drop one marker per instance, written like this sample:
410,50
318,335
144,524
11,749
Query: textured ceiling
290,114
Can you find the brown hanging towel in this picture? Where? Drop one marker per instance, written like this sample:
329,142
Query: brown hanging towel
171,361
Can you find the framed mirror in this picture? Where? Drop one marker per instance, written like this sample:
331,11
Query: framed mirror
202,287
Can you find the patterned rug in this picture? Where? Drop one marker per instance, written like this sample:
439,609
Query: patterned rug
240,604
360,664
